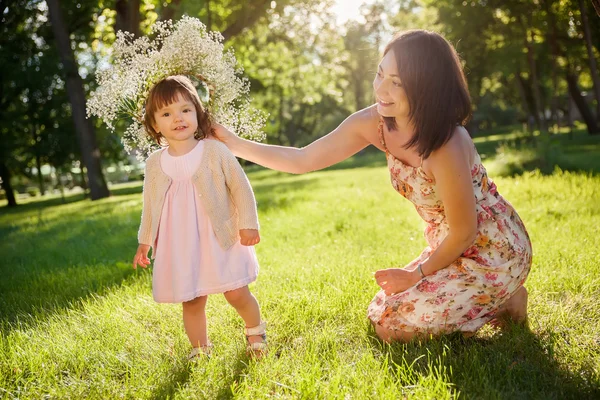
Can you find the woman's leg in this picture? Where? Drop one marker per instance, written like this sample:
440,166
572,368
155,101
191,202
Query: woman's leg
194,321
514,309
391,335
246,305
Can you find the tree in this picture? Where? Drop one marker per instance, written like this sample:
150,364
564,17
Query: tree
15,45
591,57
85,132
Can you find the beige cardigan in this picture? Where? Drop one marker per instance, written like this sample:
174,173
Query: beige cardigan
222,186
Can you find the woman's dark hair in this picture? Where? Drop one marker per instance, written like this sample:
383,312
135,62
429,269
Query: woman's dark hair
166,92
435,86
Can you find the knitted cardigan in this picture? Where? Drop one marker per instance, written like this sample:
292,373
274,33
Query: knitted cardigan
221,185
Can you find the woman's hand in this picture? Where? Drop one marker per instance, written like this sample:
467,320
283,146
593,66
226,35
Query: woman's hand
141,256
396,280
221,133
249,237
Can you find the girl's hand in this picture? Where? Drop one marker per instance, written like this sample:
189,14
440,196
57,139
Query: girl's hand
249,237
221,133
141,256
396,280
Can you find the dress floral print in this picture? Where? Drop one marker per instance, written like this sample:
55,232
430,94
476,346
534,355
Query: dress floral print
466,294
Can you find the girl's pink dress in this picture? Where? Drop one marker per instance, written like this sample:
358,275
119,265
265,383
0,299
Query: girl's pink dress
189,262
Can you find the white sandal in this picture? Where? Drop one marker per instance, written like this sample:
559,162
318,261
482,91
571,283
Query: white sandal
202,351
259,348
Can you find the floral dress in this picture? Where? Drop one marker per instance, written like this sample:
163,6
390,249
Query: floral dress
466,294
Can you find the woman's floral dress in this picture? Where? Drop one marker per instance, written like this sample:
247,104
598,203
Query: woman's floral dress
466,294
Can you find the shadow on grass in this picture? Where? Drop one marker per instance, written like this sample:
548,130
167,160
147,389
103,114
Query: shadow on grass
68,199
238,370
517,364
41,204
48,266
169,384
178,377
281,195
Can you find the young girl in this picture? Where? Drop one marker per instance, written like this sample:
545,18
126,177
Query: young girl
199,216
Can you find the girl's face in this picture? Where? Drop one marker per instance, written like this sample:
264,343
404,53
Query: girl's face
391,97
177,121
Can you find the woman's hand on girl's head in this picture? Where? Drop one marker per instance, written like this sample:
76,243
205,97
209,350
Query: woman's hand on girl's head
221,133
249,237
396,280
141,256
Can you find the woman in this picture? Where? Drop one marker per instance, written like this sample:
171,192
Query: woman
479,253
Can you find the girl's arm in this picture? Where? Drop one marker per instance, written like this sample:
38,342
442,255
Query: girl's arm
451,169
240,189
345,141
145,230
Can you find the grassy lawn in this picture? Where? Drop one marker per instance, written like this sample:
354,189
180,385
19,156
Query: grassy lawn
77,322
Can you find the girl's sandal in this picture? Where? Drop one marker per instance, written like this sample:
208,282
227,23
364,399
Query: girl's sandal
257,349
200,352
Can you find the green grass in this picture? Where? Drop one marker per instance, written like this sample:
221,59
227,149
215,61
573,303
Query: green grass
77,322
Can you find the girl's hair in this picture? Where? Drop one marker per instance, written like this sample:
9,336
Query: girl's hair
166,92
435,86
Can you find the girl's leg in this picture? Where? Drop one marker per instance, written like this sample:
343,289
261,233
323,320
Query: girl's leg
194,321
246,305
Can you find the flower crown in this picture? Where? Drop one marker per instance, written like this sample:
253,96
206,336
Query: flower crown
183,48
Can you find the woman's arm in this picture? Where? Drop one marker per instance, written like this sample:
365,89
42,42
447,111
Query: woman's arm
450,166
345,141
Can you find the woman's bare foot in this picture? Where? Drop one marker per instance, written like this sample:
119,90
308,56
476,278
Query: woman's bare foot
514,309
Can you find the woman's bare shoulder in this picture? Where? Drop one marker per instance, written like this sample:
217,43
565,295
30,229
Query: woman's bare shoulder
364,121
366,116
459,146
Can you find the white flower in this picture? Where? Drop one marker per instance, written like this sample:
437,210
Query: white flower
183,48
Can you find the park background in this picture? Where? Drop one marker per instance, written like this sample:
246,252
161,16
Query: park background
77,322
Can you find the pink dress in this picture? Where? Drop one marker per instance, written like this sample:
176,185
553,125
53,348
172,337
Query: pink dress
466,294
189,260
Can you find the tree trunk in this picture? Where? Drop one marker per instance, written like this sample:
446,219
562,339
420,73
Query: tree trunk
38,158
539,115
554,60
5,176
208,16
128,16
246,17
38,165
58,175
593,66
84,184
596,4
168,12
525,93
584,109
83,126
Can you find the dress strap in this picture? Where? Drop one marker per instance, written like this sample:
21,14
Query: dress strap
381,137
